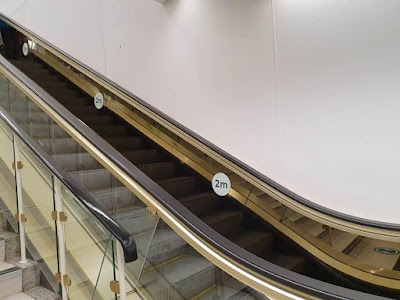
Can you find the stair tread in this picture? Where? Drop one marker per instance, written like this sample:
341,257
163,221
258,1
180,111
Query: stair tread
42,293
19,296
247,238
195,196
5,266
220,215
174,179
286,261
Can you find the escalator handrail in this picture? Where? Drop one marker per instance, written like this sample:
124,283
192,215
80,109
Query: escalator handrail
244,258
118,231
263,178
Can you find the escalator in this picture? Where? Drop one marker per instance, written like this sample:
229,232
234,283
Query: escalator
176,260
222,214
197,278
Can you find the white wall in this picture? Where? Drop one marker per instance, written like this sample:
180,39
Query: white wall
319,117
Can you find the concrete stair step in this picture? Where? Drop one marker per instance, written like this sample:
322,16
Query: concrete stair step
10,279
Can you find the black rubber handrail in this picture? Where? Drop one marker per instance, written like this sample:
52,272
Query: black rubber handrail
229,157
246,259
119,232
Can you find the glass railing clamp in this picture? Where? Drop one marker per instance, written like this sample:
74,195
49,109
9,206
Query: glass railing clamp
114,286
66,280
19,217
20,165
58,216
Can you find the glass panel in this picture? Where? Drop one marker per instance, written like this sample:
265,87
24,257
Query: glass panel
89,255
104,277
174,270
38,205
142,227
8,198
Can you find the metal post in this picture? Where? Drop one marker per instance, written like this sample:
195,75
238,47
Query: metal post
121,271
20,201
60,236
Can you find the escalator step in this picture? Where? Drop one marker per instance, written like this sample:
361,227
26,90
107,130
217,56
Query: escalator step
180,186
26,64
59,93
74,100
256,242
80,109
76,161
32,72
181,278
47,77
226,222
116,199
111,131
98,119
60,145
290,262
126,143
55,84
200,204
141,157
159,171
166,245
45,130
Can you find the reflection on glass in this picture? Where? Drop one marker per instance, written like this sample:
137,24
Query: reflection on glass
8,199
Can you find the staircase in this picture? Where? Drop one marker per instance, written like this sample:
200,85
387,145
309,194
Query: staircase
18,281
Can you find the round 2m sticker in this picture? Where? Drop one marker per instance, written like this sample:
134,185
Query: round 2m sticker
99,101
221,184
25,49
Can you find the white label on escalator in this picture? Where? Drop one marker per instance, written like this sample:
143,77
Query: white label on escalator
99,101
25,49
221,184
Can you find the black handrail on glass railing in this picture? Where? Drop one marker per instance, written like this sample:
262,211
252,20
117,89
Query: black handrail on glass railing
246,259
229,157
119,232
